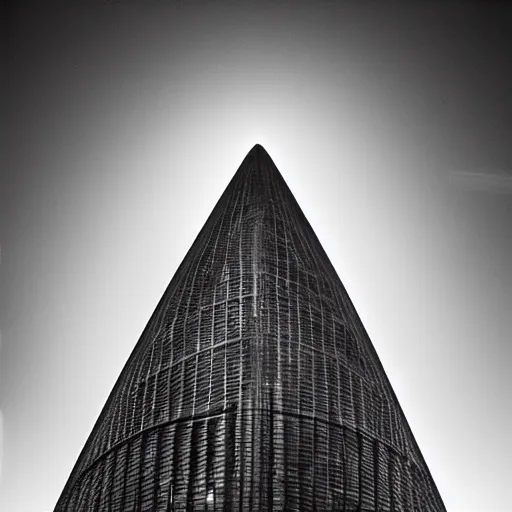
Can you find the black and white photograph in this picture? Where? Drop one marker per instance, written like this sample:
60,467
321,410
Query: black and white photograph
256,256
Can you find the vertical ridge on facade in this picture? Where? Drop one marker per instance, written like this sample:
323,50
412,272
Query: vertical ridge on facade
254,385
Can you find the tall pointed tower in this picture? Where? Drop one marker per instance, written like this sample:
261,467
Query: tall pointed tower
254,385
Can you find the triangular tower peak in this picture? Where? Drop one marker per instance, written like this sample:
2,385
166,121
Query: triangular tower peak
254,385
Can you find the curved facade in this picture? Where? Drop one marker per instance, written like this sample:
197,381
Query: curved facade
254,385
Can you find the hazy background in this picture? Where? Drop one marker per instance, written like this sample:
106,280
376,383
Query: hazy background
390,123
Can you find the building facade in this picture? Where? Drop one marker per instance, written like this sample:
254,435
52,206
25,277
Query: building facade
254,386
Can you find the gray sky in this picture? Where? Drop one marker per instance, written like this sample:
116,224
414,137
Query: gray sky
391,126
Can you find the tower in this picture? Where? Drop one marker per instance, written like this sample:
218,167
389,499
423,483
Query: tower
254,385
